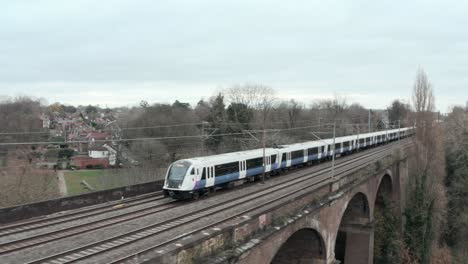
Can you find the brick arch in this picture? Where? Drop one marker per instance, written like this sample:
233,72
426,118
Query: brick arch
354,233
306,245
309,223
384,187
388,173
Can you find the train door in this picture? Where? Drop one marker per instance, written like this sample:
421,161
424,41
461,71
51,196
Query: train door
275,161
267,163
210,179
288,159
242,169
306,155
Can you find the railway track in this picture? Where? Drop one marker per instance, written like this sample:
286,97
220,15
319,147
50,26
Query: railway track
90,250
82,228
341,171
77,214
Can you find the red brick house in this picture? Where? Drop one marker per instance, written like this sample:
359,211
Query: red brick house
83,162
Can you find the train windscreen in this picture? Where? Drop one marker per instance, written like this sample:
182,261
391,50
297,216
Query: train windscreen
178,171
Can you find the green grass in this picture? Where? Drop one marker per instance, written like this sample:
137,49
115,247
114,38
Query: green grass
109,178
73,180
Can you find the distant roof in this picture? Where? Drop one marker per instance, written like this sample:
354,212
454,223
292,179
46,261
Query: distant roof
97,148
97,135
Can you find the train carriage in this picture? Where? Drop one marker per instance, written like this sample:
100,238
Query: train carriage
190,178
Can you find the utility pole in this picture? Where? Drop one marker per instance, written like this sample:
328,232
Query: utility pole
399,123
318,113
263,144
387,124
333,157
203,138
358,134
368,121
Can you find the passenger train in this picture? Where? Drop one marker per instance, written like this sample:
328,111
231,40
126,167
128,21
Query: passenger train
191,178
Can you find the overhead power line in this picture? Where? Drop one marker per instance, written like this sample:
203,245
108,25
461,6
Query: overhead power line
24,133
178,125
157,138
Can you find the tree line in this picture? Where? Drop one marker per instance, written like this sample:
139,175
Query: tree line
232,119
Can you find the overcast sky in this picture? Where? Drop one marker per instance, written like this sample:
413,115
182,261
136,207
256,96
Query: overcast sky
119,52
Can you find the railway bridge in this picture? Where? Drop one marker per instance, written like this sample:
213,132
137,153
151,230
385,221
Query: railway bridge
334,223
313,214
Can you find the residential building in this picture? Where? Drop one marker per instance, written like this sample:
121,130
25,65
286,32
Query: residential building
98,152
112,154
84,162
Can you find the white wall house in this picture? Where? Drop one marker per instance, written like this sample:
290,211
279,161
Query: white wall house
98,154
112,154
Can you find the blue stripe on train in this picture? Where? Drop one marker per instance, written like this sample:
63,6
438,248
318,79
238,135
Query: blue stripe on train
226,178
231,177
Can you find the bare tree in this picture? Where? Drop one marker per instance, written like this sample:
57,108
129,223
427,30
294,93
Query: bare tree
255,96
423,97
426,205
294,111
333,108
423,103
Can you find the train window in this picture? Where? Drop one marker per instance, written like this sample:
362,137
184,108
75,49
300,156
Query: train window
297,154
254,163
223,169
323,149
273,159
337,145
313,151
361,141
203,176
283,157
193,171
345,144
368,140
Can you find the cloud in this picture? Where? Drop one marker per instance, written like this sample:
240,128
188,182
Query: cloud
361,47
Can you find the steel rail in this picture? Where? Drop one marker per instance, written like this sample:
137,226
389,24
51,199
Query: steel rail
156,228
57,234
72,215
258,206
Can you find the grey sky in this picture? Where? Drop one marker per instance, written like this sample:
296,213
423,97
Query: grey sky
118,52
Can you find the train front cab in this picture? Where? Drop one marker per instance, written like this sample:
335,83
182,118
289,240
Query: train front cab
180,180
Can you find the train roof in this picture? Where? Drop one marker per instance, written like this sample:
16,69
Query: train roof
238,155
247,154
327,141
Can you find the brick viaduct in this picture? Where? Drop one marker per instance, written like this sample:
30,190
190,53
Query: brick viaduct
340,230
334,224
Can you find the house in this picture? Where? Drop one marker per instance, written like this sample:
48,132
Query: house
99,152
45,121
112,154
103,152
94,135
84,162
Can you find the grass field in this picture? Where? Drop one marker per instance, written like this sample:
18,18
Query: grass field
109,178
92,177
